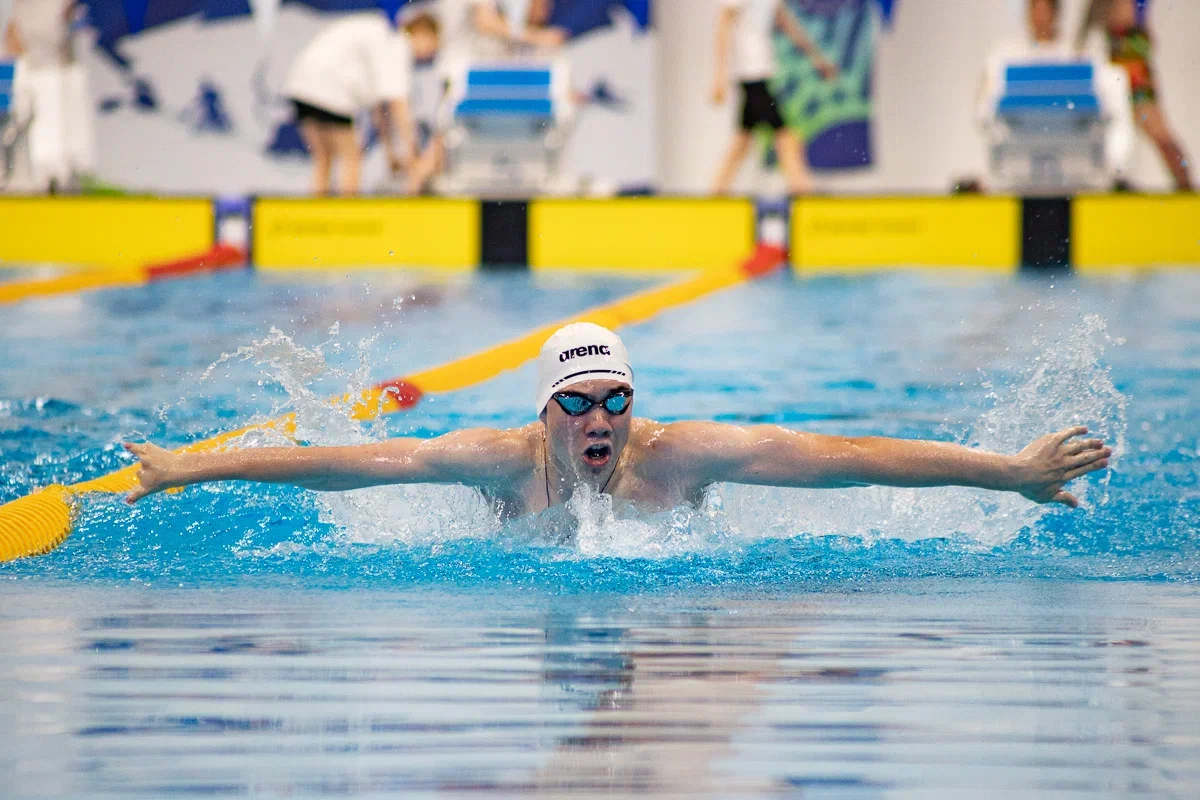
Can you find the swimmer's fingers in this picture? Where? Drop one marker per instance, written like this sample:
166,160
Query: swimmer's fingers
1078,446
1079,472
1088,457
1069,433
1067,499
138,493
149,474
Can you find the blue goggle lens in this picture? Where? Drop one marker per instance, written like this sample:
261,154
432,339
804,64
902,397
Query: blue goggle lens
576,405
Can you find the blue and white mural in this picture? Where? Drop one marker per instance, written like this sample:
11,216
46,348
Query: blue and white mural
187,91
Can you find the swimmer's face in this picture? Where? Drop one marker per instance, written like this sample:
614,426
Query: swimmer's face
592,442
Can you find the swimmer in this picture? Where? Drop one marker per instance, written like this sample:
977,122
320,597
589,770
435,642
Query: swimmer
586,435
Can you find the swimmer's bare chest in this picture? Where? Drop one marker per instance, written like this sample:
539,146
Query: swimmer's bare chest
641,487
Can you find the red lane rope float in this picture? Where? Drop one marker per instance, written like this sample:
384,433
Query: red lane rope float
220,257
38,523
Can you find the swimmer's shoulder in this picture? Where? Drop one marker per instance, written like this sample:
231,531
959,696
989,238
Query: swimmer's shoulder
680,454
669,442
487,454
516,446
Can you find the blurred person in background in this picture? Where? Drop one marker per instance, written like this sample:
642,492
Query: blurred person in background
745,53
1043,42
1130,46
473,31
51,91
361,61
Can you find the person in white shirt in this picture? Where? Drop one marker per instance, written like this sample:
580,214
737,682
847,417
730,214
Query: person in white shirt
50,92
359,62
1043,44
476,30
745,52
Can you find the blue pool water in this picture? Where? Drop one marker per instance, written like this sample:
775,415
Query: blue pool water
866,643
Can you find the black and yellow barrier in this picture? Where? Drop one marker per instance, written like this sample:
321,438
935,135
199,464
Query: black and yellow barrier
110,240
104,232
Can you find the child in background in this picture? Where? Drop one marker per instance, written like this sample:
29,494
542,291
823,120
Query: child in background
744,31
360,61
1129,46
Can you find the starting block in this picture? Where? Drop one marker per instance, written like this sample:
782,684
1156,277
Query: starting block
505,128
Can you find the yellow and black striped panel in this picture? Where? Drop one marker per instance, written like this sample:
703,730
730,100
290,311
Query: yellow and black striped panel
640,233
856,234
1117,232
109,232
366,232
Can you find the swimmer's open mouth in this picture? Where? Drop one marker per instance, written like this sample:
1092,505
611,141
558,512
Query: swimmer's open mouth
597,455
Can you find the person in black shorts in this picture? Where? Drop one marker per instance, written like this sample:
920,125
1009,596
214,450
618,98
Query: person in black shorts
744,38
759,107
358,62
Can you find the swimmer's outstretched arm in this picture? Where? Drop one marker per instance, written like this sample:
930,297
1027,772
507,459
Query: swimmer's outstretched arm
774,456
473,457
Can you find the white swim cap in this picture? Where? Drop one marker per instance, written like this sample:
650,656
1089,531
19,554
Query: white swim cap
577,353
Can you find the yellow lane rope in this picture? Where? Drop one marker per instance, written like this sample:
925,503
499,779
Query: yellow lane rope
38,523
88,279
82,280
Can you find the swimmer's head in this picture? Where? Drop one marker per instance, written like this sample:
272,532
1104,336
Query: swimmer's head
424,36
585,398
578,353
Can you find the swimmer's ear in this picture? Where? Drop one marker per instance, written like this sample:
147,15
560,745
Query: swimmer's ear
542,416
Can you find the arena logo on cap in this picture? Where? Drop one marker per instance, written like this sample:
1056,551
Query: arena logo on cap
580,352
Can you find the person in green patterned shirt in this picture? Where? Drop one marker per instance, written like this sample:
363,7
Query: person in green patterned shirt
1130,47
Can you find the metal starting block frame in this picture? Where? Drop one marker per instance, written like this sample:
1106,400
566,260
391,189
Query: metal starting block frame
505,128
1047,132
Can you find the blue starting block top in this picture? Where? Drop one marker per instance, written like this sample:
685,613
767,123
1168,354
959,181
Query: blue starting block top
1050,88
497,91
516,107
8,70
508,77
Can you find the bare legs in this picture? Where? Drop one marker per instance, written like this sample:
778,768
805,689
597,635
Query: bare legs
790,150
1153,123
321,154
738,148
349,157
326,143
788,147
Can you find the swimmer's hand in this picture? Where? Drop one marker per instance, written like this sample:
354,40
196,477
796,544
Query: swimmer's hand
160,470
1044,467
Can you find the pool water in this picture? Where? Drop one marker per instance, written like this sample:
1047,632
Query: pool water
860,643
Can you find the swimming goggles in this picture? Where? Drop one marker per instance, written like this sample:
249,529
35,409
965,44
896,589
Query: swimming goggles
576,405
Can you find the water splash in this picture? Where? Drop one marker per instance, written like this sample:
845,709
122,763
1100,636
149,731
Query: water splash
1066,384
408,515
